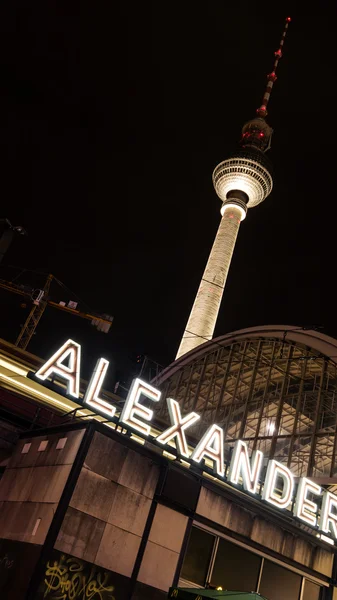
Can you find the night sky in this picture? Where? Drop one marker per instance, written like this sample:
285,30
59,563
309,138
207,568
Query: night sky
113,117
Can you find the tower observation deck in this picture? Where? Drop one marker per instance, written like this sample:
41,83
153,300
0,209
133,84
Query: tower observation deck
241,182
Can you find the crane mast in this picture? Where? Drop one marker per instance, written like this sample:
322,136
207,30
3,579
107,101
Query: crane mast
35,314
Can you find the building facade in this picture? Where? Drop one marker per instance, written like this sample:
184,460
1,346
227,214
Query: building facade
91,508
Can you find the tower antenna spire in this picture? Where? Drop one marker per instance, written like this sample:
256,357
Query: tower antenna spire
271,78
257,133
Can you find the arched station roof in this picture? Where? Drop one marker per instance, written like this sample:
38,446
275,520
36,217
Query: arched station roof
274,386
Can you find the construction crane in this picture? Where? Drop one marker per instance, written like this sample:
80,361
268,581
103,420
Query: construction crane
40,299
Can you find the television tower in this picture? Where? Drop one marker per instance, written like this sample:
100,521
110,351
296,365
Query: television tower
241,182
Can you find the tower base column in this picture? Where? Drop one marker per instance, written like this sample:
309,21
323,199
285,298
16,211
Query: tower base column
201,323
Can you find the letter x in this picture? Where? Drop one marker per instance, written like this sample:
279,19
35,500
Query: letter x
178,427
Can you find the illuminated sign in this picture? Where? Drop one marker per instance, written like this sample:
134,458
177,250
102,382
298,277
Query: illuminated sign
277,488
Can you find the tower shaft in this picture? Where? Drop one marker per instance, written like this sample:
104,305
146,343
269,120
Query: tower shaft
201,322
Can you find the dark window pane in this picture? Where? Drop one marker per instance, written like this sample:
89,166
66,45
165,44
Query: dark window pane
198,556
181,488
235,568
311,590
278,583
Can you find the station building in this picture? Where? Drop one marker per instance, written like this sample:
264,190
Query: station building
91,507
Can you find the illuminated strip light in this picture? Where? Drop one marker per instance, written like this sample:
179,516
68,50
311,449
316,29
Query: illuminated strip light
92,394
326,539
169,455
70,373
275,470
133,410
42,395
240,465
305,509
13,367
211,445
178,427
328,519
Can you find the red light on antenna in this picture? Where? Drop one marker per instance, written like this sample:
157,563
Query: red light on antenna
288,19
262,111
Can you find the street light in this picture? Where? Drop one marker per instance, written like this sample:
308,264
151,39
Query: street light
7,232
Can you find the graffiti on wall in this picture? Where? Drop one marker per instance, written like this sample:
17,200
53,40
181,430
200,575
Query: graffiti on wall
6,562
69,578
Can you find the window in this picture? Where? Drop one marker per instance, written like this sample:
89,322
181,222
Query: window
25,448
218,562
61,443
235,568
278,583
198,556
311,590
43,445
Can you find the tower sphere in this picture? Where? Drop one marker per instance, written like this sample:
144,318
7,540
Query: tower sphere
248,170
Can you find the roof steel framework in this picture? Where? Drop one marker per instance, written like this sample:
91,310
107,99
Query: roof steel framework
273,388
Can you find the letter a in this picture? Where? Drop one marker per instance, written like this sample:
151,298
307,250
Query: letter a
211,445
71,373
240,466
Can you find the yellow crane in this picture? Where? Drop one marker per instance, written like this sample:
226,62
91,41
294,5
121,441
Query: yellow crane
40,299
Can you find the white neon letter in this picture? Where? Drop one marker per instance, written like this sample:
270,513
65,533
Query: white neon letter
92,394
328,519
133,409
240,465
178,427
212,446
276,470
71,372
305,509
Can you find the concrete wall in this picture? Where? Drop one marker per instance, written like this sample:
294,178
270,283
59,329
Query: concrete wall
32,484
163,548
262,531
119,517
108,511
